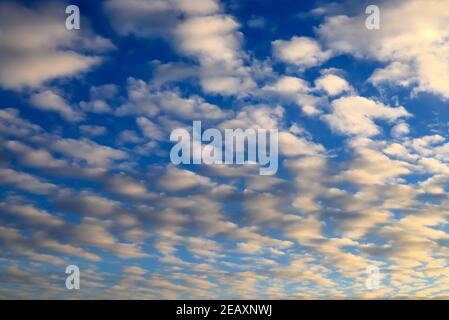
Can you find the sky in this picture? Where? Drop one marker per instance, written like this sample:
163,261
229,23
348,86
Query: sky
85,172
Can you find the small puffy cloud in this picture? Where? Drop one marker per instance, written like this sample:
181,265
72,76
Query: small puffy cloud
145,100
434,166
95,106
303,229
86,150
198,29
198,7
291,145
100,98
332,84
396,73
126,186
67,249
49,100
92,130
294,90
12,124
134,270
425,145
400,130
414,51
25,181
140,17
94,232
150,129
201,36
172,72
128,136
249,247
256,117
37,47
154,18
371,167
309,174
85,203
355,115
399,151
179,179
303,52
287,85
36,158
31,214
215,42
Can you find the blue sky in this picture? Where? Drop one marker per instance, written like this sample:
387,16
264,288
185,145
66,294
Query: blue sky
86,177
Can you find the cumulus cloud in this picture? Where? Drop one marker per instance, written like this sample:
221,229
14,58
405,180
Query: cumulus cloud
31,214
145,100
400,130
414,51
156,17
215,42
89,151
303,52
37,47
25,181
12,124
355,115
332,84
291,145
294,90
396,73
48,100
256,117
178,179
207,35
287,85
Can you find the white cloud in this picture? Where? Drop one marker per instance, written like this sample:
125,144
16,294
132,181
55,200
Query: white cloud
95,106
291,145
140,17
156,17
294,90
145,100
31,214
37,47
300,51
12,124
249,247
370,167
256,117
25,181
178,179
355,115
400,130
412,40
197,29
287,85
89,151
198,7
396,73
150,129
215,42
333,85
49,100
